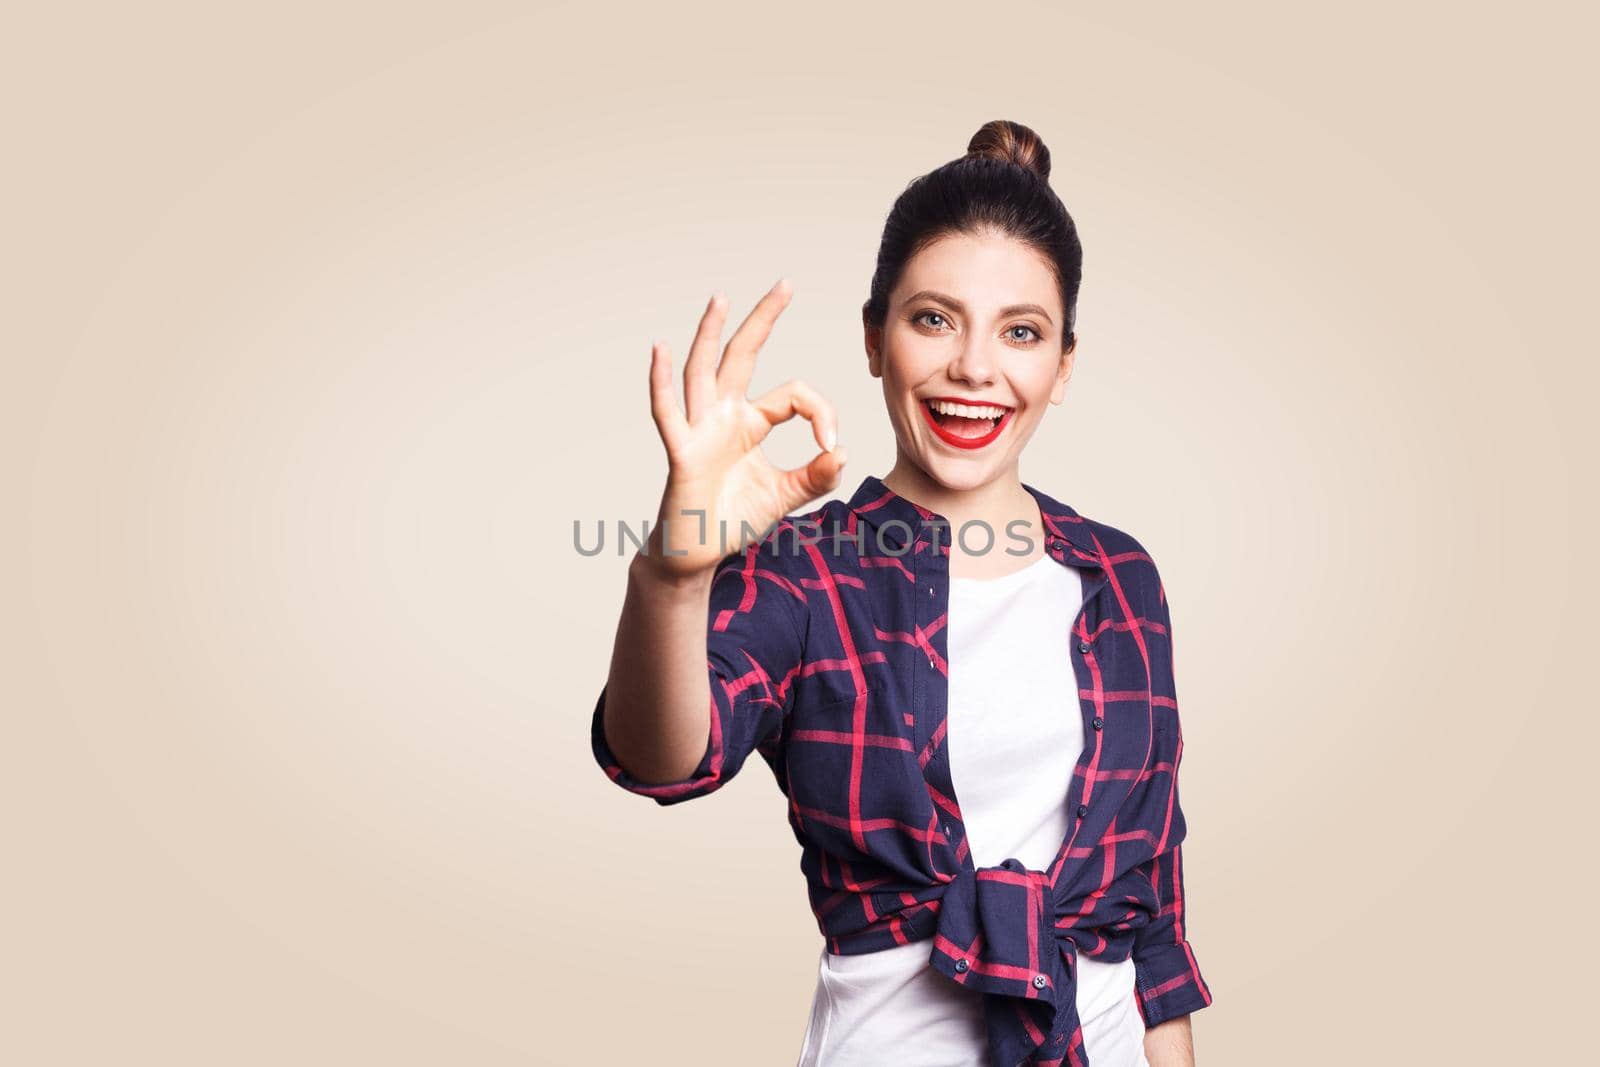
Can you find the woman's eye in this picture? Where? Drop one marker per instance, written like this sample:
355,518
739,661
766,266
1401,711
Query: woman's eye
936,320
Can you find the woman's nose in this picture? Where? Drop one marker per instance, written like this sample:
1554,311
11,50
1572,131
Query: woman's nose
975,363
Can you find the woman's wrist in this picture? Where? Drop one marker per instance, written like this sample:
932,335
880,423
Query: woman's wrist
657,574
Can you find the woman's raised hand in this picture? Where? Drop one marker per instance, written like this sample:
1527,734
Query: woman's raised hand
718,480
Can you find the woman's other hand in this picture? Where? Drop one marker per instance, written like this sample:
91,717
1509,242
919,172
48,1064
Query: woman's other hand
719,482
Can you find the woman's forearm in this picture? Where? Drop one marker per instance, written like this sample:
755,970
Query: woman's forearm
1170,1044
658,695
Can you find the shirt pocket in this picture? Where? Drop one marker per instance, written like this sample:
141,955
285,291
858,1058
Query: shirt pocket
835,712
831,755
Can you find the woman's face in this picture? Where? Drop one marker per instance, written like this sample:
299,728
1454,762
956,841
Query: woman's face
974,320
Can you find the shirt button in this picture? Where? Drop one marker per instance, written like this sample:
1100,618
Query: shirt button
930,661
1098,722
1083,809
1083,646
1039,980
930,590
962,965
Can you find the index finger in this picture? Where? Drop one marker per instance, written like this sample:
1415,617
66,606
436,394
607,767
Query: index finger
739,359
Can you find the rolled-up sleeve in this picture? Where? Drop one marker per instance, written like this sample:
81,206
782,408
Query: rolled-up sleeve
1168,977
754,652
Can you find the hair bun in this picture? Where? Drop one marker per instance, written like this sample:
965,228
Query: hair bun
1011,142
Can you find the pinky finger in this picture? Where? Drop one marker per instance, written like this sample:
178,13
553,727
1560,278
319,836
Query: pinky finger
663,404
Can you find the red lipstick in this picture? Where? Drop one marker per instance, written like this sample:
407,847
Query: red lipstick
956,440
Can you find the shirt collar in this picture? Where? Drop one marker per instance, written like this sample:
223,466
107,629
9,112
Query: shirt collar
879,506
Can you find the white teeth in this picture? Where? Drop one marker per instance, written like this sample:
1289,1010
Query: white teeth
970,411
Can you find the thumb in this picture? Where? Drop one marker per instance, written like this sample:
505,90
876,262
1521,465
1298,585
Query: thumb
820,476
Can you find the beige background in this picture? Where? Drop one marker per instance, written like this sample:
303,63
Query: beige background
324,322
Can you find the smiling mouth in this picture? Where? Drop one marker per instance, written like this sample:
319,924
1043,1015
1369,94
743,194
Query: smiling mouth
966,425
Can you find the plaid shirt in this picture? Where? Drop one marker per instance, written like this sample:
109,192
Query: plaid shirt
826,648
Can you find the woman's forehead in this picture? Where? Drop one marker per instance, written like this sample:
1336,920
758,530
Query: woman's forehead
980,271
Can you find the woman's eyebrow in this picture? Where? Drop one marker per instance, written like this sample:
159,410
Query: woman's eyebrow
1013,309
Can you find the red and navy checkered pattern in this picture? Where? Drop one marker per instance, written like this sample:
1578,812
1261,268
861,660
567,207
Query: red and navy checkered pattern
827,651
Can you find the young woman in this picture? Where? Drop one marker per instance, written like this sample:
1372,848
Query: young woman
963,687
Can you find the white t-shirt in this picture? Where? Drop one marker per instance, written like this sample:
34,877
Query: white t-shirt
1013,745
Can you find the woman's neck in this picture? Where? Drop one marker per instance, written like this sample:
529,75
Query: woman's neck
1009,511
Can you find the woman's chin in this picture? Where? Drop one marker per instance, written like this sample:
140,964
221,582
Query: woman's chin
959,472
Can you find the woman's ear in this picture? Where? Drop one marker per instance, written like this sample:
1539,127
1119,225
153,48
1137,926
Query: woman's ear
1063,372
873,340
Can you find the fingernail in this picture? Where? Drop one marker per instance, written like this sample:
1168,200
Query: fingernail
832,439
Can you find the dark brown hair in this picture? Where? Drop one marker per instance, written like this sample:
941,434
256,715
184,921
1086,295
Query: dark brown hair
1001,184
